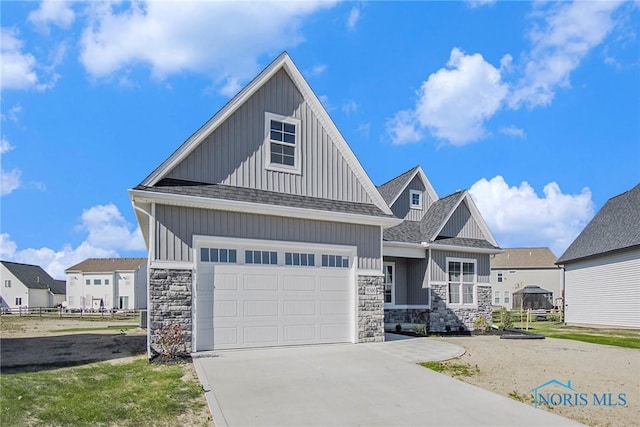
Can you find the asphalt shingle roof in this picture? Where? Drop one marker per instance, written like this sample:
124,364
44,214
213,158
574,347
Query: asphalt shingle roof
525,258
32,276
242,194
615,227
434,219
107,265
466,242
60,287
390,189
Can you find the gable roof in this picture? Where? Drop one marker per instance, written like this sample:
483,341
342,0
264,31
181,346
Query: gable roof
428,229
392,189
284,62
107,265
32,276
524,258
60,287
615,227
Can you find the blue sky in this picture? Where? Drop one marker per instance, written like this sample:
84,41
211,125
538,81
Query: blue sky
533,107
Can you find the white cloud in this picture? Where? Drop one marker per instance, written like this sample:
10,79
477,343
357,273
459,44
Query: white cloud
567,33
9,180
349,107
316,70
454,102
223,40
18,68
56,12
519,217
403,128
354,17
12,114
480,3
107,234
513,131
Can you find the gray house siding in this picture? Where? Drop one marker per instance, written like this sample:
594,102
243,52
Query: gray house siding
409,279
401,207
439,265
176,226
462,224
235,153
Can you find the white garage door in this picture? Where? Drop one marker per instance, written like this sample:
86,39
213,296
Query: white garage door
244,306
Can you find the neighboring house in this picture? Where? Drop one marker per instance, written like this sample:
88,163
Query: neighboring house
263,229
107,283
29,286
436,263
602,266
516,268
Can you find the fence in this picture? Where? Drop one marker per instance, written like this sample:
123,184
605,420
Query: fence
60,313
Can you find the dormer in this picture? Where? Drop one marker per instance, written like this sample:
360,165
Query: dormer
409,195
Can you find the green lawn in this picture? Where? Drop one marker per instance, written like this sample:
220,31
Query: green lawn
616,337
131,394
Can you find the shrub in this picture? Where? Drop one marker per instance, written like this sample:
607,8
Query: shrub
420,329
172,341
506,321
480,324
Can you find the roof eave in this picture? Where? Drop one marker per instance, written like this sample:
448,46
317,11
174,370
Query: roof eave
470,249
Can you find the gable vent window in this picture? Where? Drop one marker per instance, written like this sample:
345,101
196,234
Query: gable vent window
283,143
415,199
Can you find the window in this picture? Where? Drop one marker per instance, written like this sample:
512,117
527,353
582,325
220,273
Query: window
507,297
462,278
260,257
339,261
97,282
283,143
106,281
18,301
295,258
88,282
415,199
496,297
499,276
229,256
388,283
7,283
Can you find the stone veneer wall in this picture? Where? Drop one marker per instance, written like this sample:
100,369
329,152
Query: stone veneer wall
170,296
446,319
394,316
370,309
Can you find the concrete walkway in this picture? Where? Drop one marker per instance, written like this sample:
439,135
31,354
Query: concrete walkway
352,385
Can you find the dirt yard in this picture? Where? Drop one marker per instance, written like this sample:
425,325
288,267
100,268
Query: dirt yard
515,367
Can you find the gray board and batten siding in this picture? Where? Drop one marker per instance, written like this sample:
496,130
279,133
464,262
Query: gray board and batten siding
462,224
176,226
402,209
439,264
410,281
235,153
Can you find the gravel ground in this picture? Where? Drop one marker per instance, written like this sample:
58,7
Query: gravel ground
516,367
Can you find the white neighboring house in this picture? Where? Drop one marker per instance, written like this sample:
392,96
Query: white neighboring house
516,268
109,283
602,266
28,286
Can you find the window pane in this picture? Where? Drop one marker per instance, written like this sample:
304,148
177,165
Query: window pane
257,257
274,258
276,125
296,259
223,255
468,271
332,260
276,158
325,260
467,296
232,255
312,260
289,161
291,139
88,282
276,136
288,127
496,297
288,151
303,259
345,262
248,257
106,281
288,258
204,254
214,255
454,293
454,271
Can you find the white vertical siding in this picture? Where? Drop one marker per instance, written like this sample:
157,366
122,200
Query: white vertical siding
462,224
604,290
175,227
235,153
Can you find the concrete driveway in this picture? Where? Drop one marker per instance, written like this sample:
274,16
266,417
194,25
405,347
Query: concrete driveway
352,385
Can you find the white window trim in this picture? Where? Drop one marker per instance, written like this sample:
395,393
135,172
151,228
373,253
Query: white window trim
411,194
297,164
497,293
391,304
475,282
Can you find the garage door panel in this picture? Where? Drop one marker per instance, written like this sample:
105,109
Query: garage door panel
333,284
299,308
225,308
260,335
333,332
299,333
226,337
259,308
226,281
260,282
299,283
332,308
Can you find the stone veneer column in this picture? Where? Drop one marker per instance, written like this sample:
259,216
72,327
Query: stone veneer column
370,309
170,296
445,319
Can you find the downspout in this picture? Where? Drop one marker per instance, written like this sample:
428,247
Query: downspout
151,248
